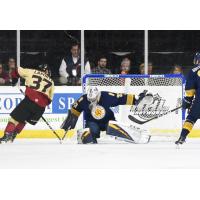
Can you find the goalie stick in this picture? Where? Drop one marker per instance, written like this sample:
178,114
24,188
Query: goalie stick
133,119
47,123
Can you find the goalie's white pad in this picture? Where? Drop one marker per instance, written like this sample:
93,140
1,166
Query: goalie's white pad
127,132
80,133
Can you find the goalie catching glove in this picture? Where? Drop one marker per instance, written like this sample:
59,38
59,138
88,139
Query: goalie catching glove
144,98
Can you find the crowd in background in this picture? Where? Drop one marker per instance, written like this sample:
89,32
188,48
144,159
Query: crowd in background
70,68
123,53
6,70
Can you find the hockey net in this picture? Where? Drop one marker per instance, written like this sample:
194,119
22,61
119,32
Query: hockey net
167,91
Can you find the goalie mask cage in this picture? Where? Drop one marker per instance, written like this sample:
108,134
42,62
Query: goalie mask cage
167,92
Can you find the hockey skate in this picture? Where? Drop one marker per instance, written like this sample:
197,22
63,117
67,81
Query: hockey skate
79,134
14,135
7,137
181,140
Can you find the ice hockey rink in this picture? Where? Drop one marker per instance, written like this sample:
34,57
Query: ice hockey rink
49,153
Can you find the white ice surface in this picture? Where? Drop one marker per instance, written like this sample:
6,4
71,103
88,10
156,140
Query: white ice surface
48,153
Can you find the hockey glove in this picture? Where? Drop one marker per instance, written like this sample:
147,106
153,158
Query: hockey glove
69,122
187,102
144,97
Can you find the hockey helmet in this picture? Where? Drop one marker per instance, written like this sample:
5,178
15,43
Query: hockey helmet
196,60
92,94
45,68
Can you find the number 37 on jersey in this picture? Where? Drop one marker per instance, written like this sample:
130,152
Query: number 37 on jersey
37,80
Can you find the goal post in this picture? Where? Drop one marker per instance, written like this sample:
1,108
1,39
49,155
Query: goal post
167,91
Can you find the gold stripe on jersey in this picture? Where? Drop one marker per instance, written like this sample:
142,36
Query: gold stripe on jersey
130,98
75,112
188,126
37,80
190,93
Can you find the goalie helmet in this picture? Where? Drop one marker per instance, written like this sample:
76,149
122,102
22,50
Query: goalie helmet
196,60
93,94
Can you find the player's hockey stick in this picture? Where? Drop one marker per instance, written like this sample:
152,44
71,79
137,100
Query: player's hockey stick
133,119
64,135
47,123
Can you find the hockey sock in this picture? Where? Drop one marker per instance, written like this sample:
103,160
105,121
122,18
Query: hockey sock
10,128
184,133
19,127
187,127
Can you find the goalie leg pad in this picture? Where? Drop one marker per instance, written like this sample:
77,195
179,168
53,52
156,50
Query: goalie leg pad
128,132
84,136
117,131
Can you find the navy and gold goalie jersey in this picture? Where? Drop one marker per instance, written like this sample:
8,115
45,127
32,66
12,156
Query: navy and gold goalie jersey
101,112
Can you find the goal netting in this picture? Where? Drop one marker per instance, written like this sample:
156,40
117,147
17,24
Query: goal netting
167,91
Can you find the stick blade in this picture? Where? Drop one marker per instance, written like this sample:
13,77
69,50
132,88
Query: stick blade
133,119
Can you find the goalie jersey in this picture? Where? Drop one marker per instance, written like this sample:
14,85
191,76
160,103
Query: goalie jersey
39,86
101,112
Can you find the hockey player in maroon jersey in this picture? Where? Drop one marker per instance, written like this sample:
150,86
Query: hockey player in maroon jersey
38,94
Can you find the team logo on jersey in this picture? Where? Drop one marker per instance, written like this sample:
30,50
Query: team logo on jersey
98,112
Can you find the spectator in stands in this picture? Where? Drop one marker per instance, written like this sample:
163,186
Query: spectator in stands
125,66
150,68
4,78
11,67
102,66
177,69
70,68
